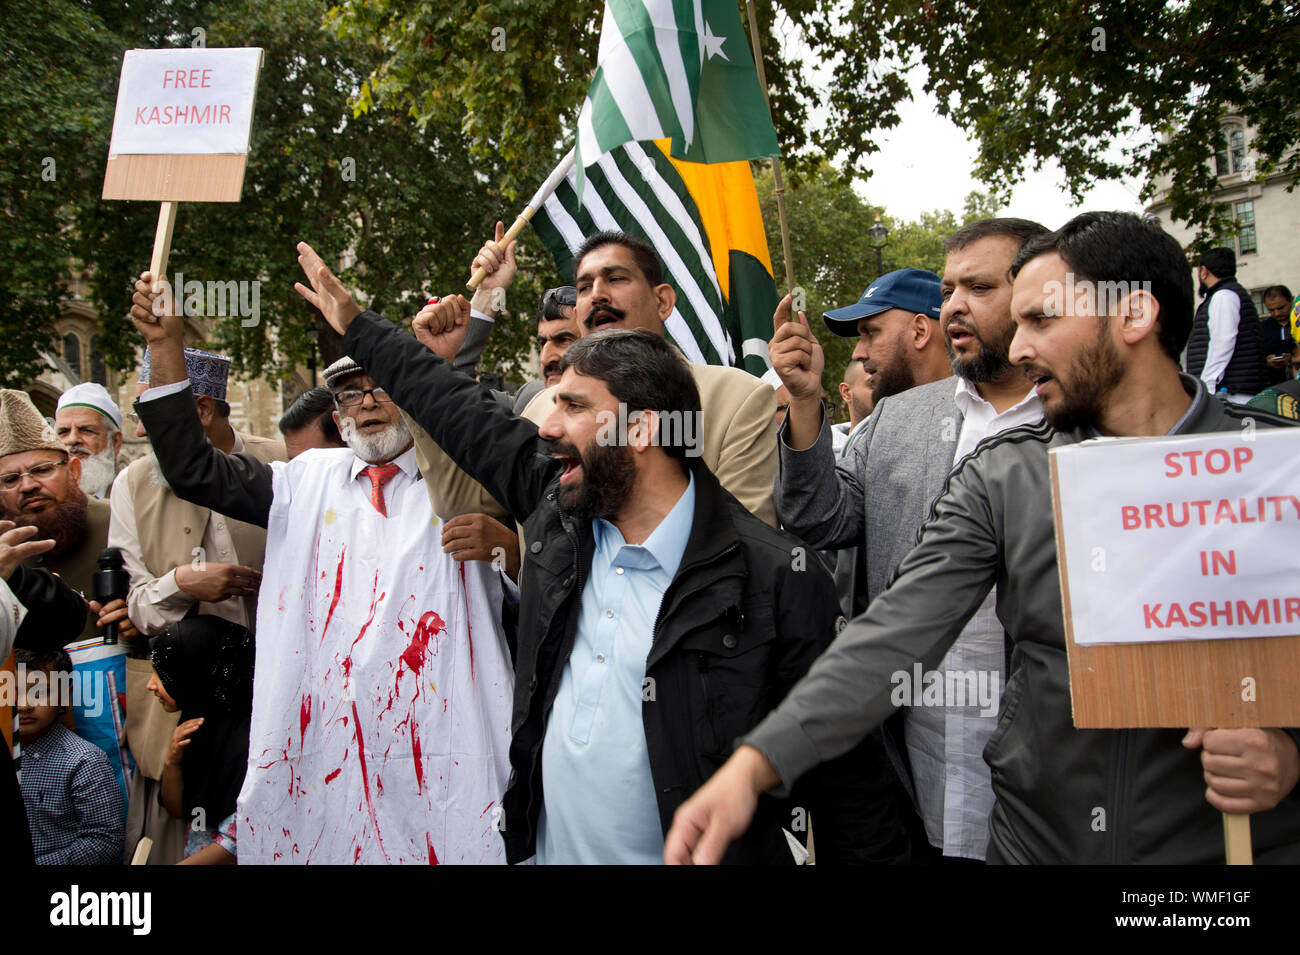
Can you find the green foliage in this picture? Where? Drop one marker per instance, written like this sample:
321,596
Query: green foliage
55,105
400,209
1034,80
1030,80
832,254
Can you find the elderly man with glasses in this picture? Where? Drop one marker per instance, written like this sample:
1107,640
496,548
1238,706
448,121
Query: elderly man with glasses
383,681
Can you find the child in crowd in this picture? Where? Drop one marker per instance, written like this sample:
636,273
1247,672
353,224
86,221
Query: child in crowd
203,668
74,804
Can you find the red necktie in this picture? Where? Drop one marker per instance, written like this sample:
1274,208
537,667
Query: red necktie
379,474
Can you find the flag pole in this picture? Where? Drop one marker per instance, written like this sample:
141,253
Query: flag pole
777,180
540,196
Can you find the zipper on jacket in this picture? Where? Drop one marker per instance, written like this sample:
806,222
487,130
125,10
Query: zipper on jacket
659,616
1121,766
709,713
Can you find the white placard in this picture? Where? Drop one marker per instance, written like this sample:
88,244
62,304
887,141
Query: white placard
191,101
1190,538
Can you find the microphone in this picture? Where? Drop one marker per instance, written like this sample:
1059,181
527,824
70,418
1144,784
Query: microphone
110,582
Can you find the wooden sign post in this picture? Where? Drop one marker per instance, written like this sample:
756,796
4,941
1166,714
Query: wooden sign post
1180,583
181,132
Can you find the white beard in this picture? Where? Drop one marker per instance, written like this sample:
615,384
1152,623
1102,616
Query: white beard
156,475
98,471
381,446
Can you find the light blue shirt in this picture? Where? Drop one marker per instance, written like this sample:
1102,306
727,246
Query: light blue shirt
599,802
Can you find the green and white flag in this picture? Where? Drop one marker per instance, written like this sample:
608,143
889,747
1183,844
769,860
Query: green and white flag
705,223
679,69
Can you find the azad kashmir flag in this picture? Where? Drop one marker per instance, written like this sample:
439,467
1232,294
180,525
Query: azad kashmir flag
678,69
704,222
678,72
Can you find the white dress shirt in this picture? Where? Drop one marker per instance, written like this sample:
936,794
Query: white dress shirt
946,744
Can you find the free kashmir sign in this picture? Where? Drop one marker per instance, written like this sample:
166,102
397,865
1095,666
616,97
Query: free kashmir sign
181,132
1180,578
185,101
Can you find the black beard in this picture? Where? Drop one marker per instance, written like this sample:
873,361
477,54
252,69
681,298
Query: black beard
1093,376
892,379
1204,290
987,364
65,523
608,474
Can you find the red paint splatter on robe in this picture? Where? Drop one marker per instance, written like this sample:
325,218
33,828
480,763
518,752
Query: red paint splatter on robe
469,632
338,591
365,779
419,760
433,856
304,717
333,776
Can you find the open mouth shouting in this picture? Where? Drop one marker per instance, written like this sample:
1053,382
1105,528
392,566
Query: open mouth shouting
959,335
568,455
1038,377
603,315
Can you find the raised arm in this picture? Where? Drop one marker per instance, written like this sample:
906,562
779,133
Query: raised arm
236,485
500,451
850,690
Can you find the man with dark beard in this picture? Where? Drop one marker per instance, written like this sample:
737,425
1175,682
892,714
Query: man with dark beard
876,499
657,613
1100,370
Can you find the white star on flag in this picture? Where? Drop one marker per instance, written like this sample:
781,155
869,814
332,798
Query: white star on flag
713,44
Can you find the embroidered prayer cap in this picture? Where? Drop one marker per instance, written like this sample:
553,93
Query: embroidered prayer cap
92,395
21,426
207,372
342,369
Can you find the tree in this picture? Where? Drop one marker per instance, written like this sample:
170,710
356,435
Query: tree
1031,80
832,257
404,208
55,105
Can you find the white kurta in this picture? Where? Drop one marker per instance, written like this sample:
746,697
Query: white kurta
382,695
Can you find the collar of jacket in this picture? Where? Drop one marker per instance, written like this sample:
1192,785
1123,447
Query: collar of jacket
714,543
1195,420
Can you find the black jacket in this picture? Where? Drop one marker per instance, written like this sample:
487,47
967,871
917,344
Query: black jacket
744,617
1245,371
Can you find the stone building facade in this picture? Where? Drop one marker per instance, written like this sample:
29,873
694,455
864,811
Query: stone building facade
1268,243
255,405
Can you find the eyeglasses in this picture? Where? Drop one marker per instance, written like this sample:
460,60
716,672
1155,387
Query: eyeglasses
41,473
354,396
554,299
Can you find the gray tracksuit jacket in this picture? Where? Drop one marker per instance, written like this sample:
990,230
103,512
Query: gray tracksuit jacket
993,525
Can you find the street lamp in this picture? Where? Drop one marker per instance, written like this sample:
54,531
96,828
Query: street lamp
879,233
313,336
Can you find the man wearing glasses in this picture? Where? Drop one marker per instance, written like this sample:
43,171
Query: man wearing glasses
383,682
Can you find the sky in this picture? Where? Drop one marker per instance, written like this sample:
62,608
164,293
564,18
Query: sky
925,163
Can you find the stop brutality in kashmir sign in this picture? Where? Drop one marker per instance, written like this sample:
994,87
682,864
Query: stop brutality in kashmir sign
186,101
1181,538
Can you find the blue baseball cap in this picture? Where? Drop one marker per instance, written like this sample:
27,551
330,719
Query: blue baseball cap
914,290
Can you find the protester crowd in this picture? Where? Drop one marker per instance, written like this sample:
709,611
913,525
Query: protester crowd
640,610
